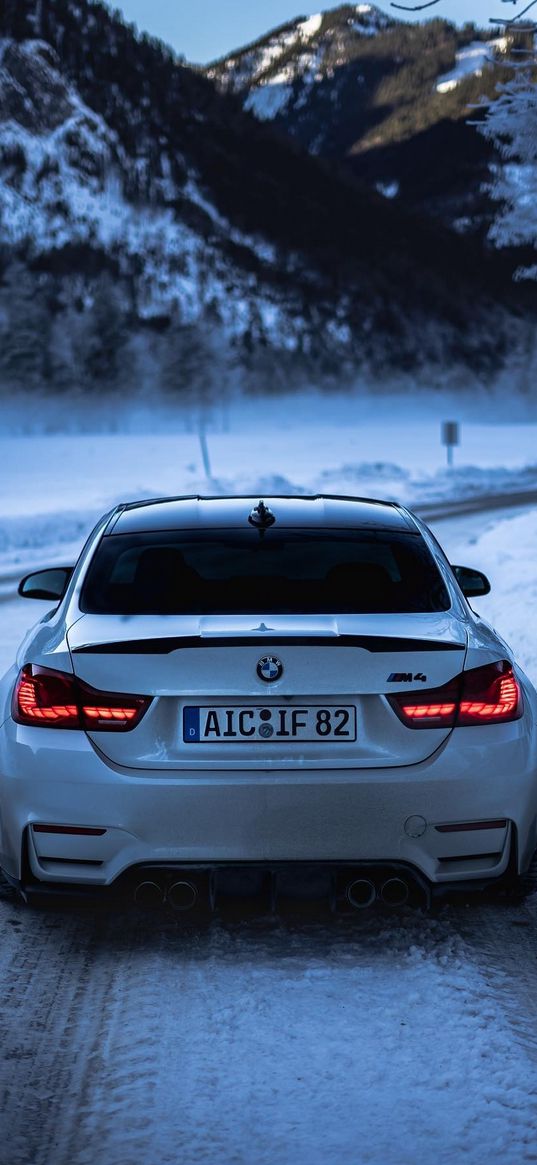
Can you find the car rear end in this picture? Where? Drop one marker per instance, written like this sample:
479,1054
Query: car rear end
299,708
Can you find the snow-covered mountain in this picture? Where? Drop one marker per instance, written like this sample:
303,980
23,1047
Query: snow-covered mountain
153,233
68,182
386,99
274,74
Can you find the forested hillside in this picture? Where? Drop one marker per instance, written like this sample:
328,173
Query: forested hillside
154,235
386,99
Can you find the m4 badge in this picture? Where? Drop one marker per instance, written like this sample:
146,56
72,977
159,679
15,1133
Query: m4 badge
406,677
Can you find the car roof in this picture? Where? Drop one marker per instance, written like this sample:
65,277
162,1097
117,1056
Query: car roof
321,511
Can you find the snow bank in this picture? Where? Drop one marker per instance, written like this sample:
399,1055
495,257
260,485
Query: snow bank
507,552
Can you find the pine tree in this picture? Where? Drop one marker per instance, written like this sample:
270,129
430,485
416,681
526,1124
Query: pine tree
25,331
511,123
12,19
105,340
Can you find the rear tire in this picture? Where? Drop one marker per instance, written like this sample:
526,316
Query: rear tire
525,884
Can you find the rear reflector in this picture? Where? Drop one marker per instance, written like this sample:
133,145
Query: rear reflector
52,699
470,826
483,695
77,830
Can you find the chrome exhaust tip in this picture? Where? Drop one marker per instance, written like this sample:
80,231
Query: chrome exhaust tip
394,892
182,896
361,893
148,894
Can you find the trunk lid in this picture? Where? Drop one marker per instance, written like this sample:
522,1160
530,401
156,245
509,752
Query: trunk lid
349,662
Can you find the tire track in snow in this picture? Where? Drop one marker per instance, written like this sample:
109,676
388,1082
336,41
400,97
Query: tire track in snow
53,998
502,941
383,1039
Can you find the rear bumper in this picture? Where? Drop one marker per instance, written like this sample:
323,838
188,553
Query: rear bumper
261,887
207,819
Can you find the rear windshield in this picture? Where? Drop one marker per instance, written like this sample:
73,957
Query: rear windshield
281,572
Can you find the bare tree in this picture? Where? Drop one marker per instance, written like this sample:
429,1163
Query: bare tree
493,19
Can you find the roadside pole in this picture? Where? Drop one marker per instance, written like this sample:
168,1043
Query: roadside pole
450,437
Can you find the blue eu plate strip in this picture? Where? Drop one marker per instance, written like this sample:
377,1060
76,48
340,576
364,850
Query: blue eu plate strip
191,725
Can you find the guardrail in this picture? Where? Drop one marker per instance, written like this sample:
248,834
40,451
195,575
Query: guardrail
435,511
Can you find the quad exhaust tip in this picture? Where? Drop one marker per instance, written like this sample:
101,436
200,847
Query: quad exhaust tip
182,896
361,893
148,894
394,892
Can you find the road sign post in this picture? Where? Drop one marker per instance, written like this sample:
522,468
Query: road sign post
450,437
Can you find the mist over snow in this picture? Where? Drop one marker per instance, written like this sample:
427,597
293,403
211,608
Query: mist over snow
63,464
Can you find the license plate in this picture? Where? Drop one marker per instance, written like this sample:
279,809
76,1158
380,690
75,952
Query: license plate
235,725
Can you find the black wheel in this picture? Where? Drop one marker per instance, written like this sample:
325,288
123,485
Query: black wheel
523,885
528,880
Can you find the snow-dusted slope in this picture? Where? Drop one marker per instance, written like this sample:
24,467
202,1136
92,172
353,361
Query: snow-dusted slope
386,99
155,233
276,72
471,61
64,177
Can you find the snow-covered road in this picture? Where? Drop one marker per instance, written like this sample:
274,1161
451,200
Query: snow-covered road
381,1040
391,1041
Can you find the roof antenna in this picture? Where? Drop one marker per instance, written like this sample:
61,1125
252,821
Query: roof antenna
261,517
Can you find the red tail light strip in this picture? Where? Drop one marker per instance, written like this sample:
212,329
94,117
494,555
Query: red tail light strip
26,697
482,695
52,699
507,702
428,710
109,713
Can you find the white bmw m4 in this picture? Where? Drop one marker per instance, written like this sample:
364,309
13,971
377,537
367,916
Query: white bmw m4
286,699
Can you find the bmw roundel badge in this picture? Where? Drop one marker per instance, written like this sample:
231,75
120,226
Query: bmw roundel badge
270,668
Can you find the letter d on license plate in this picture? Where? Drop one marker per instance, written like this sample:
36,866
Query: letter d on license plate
203,724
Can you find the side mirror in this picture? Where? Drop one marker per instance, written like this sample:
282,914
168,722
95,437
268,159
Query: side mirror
46,584
473,583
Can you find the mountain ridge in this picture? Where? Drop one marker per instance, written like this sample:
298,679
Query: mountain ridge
154,233
364,89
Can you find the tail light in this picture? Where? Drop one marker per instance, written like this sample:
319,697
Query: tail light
55,699
483,695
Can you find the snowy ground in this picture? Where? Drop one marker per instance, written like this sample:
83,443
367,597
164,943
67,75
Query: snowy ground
54,485
386,1041
380,1040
